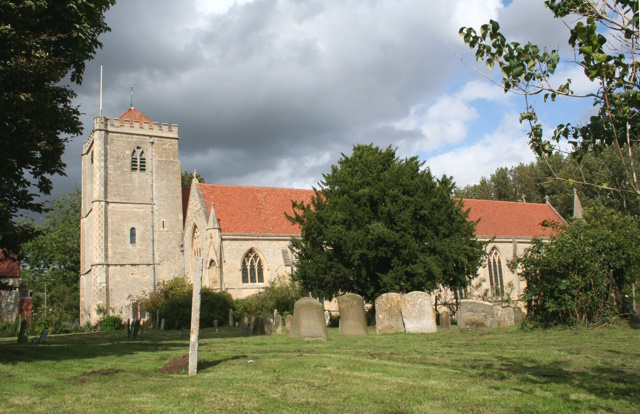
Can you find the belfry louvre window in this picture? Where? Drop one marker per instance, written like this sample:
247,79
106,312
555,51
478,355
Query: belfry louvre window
252,268
138,160
494,262
132,235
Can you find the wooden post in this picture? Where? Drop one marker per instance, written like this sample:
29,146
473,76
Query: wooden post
195,317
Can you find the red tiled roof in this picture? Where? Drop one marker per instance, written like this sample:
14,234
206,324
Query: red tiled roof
510,219
9,266
253,210
132,114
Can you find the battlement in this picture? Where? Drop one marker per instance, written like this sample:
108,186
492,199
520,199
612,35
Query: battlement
127,127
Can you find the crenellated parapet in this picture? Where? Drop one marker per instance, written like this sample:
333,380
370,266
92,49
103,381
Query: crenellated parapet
135,127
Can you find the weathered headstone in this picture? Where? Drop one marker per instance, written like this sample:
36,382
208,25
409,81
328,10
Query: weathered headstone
215,325
353,321
230,317
388,314
135,329
22,335
308,320
268,326
244,326
277,325
475,315
445,319
162,324
417,313
327,318
288,323
506,316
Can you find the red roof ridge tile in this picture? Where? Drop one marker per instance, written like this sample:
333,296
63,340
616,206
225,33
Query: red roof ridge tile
256,186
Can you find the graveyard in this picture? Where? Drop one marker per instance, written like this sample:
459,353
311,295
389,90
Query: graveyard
500,371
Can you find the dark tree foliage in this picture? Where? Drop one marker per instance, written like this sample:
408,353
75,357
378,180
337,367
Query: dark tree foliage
187,177
41,43
382,224
581,277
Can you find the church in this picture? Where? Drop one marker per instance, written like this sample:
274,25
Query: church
139,227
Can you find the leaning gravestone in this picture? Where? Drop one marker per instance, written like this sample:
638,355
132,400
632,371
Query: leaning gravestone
506,316
475,315
353,321
277,325
417,313
288,323
308,320
445,319
22,336
388,314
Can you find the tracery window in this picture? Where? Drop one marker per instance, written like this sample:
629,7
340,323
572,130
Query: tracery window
252,268
132,235
195,242
494,263
138,160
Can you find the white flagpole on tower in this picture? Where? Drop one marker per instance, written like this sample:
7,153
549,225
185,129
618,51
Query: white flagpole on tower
100,90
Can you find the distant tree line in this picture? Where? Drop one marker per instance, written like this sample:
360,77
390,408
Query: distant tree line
556,176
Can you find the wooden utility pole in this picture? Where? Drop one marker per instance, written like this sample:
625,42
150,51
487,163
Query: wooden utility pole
195,317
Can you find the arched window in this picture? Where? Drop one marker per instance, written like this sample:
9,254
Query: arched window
195,242
138,160
494,262
132,235
252,268
213,274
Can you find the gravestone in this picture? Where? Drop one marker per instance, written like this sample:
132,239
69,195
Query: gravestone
162,324
327,318
244,326
417,313
215,325
505,316
518,315
388,314
135,329
268,326
22,335
277,325
258,325
308,320
288,323
231,317
252,325
353,321
445,319
475,315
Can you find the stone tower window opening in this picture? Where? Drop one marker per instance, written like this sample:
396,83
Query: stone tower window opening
138,160
132,235
252,268
195,243
496,279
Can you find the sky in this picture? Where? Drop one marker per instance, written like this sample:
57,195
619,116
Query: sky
272,92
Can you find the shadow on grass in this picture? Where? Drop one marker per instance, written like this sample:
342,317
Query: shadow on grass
99,344
601,382
204,365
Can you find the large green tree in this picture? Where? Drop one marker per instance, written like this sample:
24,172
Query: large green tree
44,45
51,260
604,37
380,224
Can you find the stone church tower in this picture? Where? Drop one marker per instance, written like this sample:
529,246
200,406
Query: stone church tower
131,221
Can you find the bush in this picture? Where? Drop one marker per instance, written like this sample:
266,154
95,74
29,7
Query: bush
10,329
111,323
582,275
173,300
280,294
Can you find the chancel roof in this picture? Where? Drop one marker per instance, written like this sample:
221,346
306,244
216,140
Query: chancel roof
510,219
253,210
132,114
9,266
260,210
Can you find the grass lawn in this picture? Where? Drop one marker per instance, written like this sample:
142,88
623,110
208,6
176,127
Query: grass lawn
503,371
